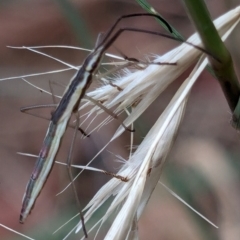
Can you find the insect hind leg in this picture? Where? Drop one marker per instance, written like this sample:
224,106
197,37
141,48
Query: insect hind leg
69,162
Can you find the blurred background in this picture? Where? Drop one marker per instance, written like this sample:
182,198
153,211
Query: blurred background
203,166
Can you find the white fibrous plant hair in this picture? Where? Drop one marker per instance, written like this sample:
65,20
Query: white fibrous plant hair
144,167
139,89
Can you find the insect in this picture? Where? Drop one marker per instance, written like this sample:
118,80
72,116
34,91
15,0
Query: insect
69,104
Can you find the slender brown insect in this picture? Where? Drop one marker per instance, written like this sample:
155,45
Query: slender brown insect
69,104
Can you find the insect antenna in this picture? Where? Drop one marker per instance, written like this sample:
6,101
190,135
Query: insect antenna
107,41
110,31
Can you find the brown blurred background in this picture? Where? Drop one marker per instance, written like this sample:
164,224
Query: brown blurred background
203,167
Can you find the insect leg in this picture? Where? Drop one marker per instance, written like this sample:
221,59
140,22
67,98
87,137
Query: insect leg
69,162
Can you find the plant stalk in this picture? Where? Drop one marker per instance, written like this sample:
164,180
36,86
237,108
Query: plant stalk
222,63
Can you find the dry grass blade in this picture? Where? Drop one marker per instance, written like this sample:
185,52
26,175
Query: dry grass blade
16,232
146,85
145,165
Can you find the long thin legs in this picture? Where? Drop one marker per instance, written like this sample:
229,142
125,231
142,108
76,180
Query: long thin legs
69,163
